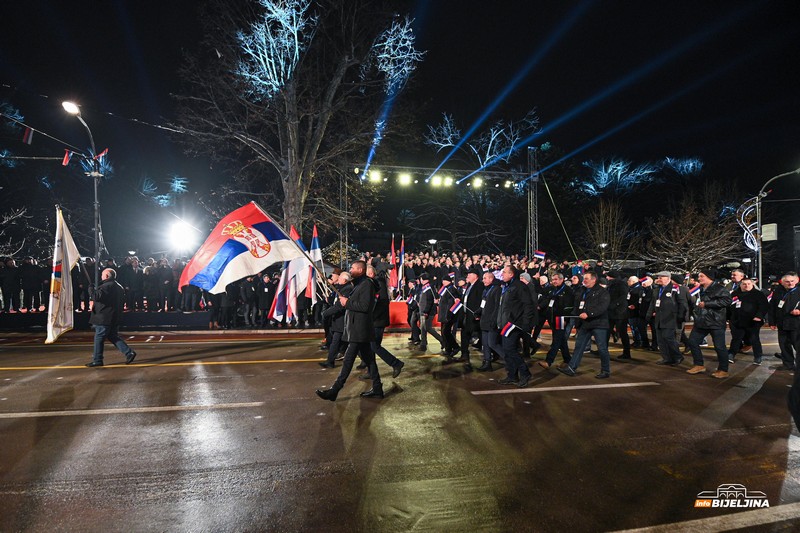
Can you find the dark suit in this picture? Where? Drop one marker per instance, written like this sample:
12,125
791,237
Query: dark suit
618,312
359,332
426,309
516,309
448,319
335,314
558,303
710,320
668,308
594,302
109,300
471,317
490,300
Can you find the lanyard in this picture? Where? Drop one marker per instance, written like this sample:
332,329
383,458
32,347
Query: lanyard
788,293
560,289
584,294
661,291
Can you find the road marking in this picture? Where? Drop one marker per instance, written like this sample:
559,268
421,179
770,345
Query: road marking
186,363
758,517
131,410
573,387
149,338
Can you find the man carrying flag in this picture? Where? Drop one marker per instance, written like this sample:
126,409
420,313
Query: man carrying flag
65,257
515,316
296,284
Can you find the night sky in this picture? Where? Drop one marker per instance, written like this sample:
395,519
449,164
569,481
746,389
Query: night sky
711,79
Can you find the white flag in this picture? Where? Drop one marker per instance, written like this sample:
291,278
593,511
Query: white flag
65,257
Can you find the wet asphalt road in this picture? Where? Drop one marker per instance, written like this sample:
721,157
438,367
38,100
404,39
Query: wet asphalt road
210,433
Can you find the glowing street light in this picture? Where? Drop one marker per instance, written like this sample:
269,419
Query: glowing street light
477,182
404,179
73,109
375,176
432,242
436,181
448,181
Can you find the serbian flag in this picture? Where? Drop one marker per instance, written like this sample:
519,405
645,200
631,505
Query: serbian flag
392,268
538,254
297,278
734,300
27,137
67,157
401,261
243,243
695,291
559,322
426,288
441,291
101,154
65,257
316,252
456,307
769,296
411,299
507,329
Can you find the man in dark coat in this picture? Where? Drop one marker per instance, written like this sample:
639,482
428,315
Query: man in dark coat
516,314
335,315
11,287
558,302
618,310
634,304
591,305
785,314
490,300
109,300
668,308
427,307
448,295
710,315
471,318
749,308
359,332
380,320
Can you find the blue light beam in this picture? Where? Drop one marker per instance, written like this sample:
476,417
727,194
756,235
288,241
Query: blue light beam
554,37
617,86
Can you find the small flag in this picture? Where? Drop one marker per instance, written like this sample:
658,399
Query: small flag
769,296
441,291
735,299
101,154
411,299
456,307
641,280
426,288
67,157
65,257
538,254
695,291
507,329
559,322
452,274
27,137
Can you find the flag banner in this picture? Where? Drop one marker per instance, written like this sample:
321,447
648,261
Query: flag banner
451,274
398,298
410,299
734,299
507,329
559,322
401,261
769,296
65,257
456,307
101,154
642,280
441,291
297,278
316,250
538,254
392,268
695,291
67,157
27,137
426,288
243,243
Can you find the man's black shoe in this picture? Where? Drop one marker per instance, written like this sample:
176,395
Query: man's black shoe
485,367
603,375
468,367
397,369
94,364
361,366
567,371
623,358
329,394
130,357
662,362
448,360
326,364
422,347
507,381
372,393
678,362
523,381
365,377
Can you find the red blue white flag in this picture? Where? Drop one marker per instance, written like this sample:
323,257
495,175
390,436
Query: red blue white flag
27,137
695,291
441,291
559,322
392,268
243,243
507,329
456,307
67,157
297,278
101,154
538,254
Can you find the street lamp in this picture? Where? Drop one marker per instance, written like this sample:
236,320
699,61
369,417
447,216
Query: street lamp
762,194
73,109
432,242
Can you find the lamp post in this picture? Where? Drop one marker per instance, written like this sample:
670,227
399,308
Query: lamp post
762,194
432,242
73,109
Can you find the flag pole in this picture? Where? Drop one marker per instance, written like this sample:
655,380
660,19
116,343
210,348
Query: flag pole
313,265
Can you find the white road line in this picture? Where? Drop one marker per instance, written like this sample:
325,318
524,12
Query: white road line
149,338
758,517
574,387
130,410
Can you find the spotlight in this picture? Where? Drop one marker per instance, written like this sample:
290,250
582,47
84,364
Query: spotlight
508,184
404,179
496,184
357,170
375,176
182,236
448,181
477,182
416,181
385,179
436,181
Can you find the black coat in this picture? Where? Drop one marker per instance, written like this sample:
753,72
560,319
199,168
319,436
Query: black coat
446,301
516,306
336,312
490,301
594,302
558,301
109,299
635,300
618,294
358,323
380,317
672,306
472,307
425,300
783,302
748,305
713,315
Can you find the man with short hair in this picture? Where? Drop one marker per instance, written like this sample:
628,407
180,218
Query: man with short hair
490,299
515,316
558,302
618,311
359,333
109,301
591,304
426,306
709,319
786,317
668,311
471,317
749,311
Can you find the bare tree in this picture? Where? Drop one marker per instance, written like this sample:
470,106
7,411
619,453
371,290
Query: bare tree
609,236
698,232
288,93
